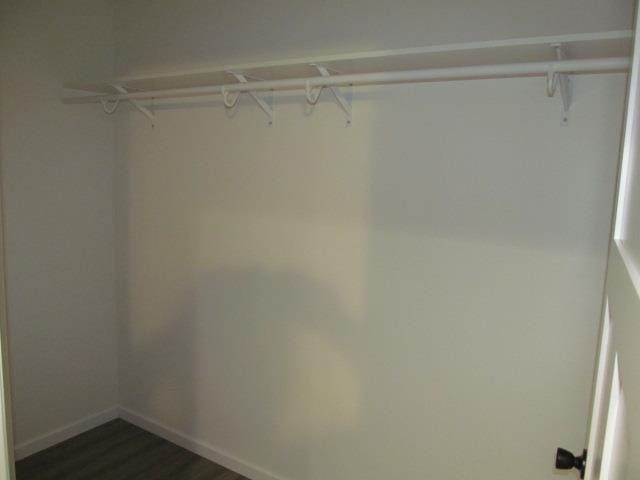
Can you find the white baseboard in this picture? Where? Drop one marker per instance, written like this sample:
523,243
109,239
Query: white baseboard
61,434
197,446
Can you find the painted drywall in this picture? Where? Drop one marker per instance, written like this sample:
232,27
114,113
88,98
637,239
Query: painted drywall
154,35
57,176
414,296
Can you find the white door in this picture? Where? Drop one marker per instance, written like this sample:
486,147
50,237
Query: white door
613,449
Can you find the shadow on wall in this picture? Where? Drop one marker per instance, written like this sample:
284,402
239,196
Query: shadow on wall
468,255
255,356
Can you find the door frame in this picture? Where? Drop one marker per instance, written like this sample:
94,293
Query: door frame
7,458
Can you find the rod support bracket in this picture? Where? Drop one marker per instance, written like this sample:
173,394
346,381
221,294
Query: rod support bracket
343,103
136,104
562,80
262,103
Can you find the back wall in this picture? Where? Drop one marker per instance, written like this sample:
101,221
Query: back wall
391,299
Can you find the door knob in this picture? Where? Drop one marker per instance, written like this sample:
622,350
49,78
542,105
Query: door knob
565,460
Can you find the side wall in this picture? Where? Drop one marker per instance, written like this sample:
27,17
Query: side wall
57,175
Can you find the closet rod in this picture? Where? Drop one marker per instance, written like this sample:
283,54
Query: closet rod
596,65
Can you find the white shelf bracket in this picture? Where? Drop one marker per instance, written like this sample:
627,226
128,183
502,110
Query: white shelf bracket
337,93
262,103
562,79
138,106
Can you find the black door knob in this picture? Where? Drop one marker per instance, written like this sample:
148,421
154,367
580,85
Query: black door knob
565,460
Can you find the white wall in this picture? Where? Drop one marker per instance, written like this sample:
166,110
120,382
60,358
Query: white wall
57,175
154,35
415,296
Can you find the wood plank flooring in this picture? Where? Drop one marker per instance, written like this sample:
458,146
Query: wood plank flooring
119,450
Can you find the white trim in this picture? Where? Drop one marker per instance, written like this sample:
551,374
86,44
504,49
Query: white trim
198,447
629,262
628,148
613,425
599,391
61,434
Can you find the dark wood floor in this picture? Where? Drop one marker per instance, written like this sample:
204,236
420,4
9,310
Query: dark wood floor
119,451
